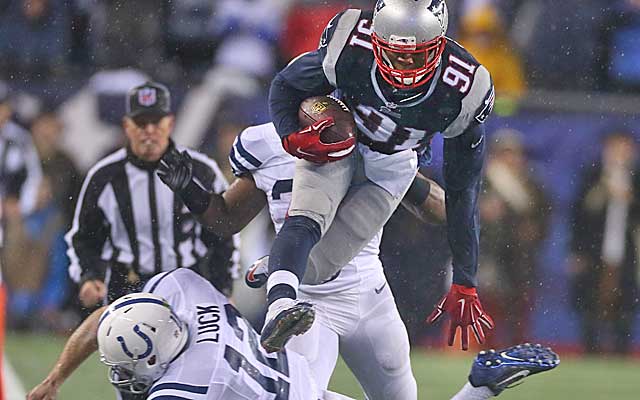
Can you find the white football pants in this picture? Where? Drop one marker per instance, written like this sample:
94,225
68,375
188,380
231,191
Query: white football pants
364,326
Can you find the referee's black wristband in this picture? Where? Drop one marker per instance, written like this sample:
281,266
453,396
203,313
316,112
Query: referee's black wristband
418,191
195,198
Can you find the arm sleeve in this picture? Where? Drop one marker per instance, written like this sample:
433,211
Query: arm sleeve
88,234
463,160
302,78
248,152
310,74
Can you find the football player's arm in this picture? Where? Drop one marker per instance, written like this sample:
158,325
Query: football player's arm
81,344
425,200
463,160
230,212
302,78
230,208
309,74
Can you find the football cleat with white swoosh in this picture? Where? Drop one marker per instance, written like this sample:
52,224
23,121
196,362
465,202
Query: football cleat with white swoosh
500,370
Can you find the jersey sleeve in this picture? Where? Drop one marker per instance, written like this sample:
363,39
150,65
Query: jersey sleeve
463,160
475,106
310,74
250,151
89,231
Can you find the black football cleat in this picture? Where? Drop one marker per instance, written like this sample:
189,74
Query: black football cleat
500,370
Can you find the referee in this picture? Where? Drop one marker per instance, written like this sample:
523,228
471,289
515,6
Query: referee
129,226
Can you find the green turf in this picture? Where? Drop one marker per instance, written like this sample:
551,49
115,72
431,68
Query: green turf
439,375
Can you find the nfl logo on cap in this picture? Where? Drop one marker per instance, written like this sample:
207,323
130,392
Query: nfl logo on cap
147,97
150,98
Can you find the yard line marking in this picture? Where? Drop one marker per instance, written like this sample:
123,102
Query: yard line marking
13,385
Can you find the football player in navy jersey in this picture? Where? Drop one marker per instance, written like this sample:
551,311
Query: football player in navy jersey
404,81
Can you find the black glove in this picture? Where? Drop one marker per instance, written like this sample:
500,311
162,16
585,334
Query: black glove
176,171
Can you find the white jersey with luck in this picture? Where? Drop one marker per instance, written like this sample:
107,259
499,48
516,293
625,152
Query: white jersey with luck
223,358
258,151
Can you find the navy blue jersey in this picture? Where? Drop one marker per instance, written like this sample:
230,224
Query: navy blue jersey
459,95
455,102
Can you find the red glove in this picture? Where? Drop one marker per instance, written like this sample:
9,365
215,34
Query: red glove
306,144
465,311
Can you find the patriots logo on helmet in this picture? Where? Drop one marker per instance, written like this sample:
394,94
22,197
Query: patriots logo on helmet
437,7
147,97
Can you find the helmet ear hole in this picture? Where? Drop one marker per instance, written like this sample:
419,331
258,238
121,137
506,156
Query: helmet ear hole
152,360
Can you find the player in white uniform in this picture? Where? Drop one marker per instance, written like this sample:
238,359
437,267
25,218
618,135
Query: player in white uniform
211,350
356,312
181,339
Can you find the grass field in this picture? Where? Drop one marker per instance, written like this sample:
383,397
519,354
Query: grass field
439,375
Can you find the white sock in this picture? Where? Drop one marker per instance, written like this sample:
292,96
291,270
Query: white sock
284,277
469,392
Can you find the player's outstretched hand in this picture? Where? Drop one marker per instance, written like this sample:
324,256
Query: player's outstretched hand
307,144
465,311
46,390
175,169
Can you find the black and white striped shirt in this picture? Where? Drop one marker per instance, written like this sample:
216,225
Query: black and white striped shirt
20,172
125,215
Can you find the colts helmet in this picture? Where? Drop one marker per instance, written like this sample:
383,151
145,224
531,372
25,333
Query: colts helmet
138,336
415,27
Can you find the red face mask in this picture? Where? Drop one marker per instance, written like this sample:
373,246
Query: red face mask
428,54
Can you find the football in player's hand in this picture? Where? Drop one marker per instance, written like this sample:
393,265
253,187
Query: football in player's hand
317,108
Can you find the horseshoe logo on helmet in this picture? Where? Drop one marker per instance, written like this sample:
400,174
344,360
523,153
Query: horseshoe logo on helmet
143,336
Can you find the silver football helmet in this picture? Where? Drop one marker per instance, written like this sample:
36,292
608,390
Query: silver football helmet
138,336
409,28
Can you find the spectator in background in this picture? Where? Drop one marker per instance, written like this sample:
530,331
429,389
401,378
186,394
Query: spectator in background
128,34
34,37
232,96
20,171
46,130
190,33
37,264
606,219
514,217
564,50
482,34
38,276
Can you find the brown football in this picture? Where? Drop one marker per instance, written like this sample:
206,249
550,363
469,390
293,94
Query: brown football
317,108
